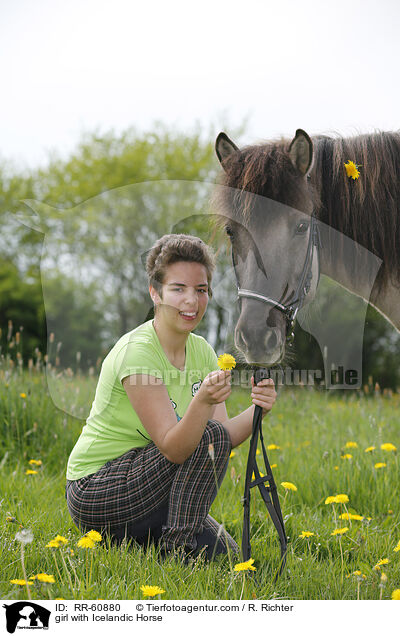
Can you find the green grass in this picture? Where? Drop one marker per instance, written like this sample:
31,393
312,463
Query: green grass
310,427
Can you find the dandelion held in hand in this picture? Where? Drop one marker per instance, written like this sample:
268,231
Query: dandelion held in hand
226,362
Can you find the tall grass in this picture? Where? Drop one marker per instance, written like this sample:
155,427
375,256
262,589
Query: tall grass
311,429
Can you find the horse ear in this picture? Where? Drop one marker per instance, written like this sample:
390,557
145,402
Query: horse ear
301,151
224,147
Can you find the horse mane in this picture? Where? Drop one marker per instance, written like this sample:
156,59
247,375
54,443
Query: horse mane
365,209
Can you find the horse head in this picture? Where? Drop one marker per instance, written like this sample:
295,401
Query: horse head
266,201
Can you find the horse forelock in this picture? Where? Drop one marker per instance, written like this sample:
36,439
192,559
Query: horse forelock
265,170
365,209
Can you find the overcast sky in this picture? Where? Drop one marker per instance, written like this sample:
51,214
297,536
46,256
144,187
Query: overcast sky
69,67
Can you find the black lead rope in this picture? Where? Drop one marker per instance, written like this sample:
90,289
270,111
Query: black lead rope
268,492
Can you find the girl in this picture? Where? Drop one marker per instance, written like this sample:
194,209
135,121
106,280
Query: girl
156,444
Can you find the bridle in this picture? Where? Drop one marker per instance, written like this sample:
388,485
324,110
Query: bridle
266,484
303,287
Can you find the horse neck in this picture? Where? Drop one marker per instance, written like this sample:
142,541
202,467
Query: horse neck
348,264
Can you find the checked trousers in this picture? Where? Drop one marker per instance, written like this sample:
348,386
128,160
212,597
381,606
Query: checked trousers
143,496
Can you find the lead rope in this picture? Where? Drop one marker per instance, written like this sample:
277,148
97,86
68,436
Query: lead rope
268,492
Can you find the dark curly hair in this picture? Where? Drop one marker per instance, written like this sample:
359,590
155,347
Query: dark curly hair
173,248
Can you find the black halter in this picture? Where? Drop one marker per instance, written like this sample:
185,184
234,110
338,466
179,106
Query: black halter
266,484
303,287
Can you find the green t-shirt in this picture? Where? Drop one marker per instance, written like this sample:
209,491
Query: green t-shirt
113,426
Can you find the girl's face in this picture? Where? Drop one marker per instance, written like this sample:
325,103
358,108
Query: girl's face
184,295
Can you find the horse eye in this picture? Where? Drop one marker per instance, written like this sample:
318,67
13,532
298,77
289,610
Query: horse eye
302,228
229,232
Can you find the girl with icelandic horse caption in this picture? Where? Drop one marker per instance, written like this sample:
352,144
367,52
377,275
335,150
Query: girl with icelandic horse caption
143,467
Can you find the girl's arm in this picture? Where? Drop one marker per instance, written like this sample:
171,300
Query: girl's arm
175,440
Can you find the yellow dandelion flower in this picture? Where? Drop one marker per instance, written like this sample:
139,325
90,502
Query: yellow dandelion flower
339,531
43,578
56,542
31,472
352,170
22,395
369,449
253,475
20,582
380,465
232,454
35,462
258,452
342,499
351,445
396,595
274,465
151,590
388,447
86,542
397,548
288,485
347,456
336,467
245,565
94,535
349,516
357,573
226,362
305,534
381,562
273,447
330,500
384,578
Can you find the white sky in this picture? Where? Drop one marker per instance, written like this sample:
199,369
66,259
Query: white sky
82,65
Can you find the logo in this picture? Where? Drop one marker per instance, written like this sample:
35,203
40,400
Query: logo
26,615
195,387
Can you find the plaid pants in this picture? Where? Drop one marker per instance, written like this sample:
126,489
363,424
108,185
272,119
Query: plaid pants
142,495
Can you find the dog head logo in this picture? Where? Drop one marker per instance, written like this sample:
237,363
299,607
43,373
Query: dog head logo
26,615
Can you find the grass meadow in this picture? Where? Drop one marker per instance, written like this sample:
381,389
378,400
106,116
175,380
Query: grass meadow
320,439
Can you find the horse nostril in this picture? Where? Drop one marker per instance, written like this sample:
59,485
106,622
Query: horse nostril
240,339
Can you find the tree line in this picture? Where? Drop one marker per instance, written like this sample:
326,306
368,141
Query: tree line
74,240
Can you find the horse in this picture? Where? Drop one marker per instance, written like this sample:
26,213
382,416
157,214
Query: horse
285,201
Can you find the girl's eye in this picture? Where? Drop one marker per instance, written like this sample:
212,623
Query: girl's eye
177,289
202,291
302,228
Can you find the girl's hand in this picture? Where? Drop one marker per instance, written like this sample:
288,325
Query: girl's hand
215,388
263,394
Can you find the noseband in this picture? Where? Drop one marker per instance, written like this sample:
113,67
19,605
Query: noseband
304,285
